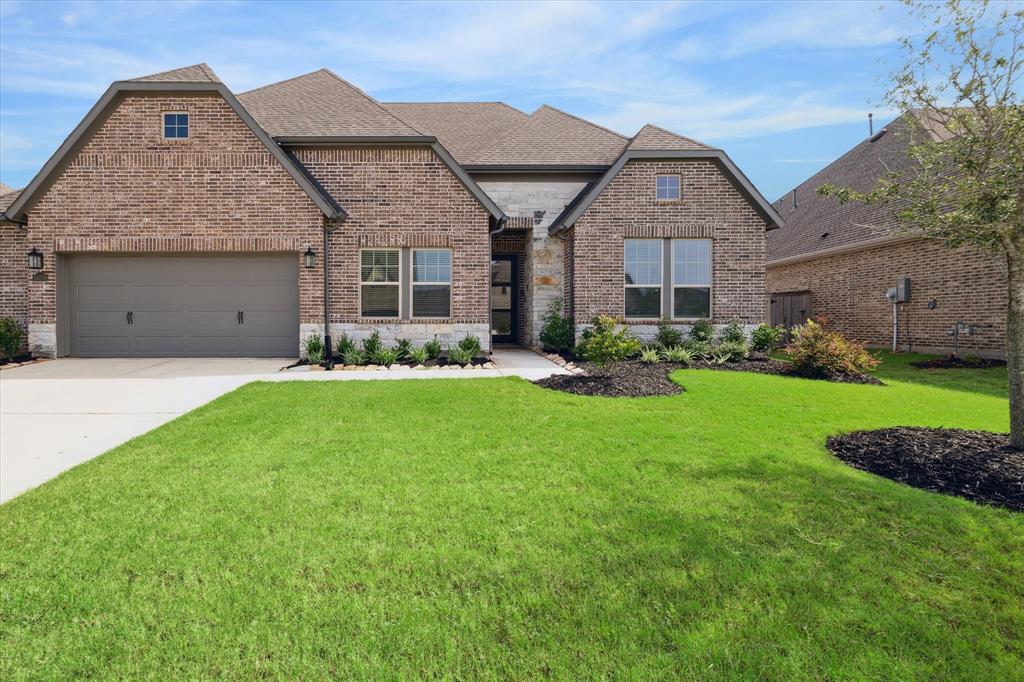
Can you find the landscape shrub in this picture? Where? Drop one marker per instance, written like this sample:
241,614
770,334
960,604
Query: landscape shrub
460,356
403,346
433,348
816,351
353,356
604,343
470,344
384,356
556,333
698,349
702,330
680,354
10,337
668,335
650,356
314,349
765,338
733,351
344,345
418,355
734,332
372,344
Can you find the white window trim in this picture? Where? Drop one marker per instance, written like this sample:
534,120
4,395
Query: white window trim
413,284
659,286
710,286
387,284
678,177
163,126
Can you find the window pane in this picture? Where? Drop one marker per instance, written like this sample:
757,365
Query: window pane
643,261
501,323
431,266
668,187
691,261
379,266
431,300
170,132
183,120
643,302
692,302
379,300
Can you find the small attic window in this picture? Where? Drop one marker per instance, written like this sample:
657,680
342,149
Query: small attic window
175,126
668,187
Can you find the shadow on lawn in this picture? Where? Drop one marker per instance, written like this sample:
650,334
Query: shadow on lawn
897,367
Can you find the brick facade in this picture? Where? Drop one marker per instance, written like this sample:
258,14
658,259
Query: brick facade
128,189
849,289
710,208
14,274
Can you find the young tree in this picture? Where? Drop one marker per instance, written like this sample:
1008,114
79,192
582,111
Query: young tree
959,89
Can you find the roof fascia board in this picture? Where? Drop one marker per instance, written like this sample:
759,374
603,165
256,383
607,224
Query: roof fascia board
529,168
16,211
744,185
328,140
468,182
843,248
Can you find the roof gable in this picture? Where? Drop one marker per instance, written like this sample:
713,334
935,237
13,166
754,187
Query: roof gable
551,137
653,137
464,128
321,104
197,73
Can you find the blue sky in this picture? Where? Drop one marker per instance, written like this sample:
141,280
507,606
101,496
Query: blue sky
783,87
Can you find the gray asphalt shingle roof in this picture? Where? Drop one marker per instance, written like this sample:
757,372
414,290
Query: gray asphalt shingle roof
197,73
652,137
464,128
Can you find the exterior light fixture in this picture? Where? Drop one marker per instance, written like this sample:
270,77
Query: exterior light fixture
35,259
309,257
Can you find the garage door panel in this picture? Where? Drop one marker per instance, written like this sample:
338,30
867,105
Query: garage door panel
184,306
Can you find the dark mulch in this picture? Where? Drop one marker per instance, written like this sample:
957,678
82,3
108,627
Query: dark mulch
24,357
622,379
975,465
957,362
766,365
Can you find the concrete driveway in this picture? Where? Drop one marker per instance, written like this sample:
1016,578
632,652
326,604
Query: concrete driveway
56,414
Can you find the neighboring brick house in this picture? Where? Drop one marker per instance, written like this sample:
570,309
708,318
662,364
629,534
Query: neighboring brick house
179,219
838,261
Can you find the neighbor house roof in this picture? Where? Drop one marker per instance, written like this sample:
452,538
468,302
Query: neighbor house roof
465,128
819,223
320,104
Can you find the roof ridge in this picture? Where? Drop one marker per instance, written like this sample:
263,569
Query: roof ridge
580,119
372,99
202,66
672,133
286,80
208,71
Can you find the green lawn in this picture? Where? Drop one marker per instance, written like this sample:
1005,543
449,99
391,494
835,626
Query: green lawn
492,529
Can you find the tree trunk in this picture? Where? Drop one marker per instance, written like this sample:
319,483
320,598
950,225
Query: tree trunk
1015,341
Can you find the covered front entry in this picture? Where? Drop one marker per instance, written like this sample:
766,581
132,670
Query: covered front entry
504,299
243,305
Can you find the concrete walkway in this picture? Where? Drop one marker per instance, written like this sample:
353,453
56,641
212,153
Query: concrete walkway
57,414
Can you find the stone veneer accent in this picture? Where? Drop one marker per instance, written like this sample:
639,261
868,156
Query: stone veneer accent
849,289
710,207
127,189
541,201
448,334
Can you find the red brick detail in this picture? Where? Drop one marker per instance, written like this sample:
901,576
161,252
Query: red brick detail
402,197
14,274
849,289
710,207
128,189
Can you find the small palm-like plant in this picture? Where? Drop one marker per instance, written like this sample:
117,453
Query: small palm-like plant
353,356
385,356
678,354
433,348
418,355
460,356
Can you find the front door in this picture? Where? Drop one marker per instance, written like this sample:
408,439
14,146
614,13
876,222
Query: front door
504,299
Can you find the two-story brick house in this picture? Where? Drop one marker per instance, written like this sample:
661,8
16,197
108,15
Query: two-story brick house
181,219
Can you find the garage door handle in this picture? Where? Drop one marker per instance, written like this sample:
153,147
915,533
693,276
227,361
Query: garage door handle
131,317
241,317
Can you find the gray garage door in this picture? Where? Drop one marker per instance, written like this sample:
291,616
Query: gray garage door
184,306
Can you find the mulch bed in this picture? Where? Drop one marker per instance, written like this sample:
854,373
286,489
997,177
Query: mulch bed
975,465
956,362
635,379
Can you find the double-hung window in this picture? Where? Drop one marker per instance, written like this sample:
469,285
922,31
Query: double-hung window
643,278
380,287
431,283
691,278
667,277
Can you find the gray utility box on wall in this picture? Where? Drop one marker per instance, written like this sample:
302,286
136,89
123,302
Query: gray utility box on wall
901,292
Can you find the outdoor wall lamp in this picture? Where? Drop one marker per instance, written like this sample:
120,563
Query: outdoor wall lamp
35,259
310,257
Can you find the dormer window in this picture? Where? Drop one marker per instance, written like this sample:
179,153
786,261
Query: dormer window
668,188
175,126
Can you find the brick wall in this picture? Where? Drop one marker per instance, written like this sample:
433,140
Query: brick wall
710,207
14,274
849,289
403,197
128,189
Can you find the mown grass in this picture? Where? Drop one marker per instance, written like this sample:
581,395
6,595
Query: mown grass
493,529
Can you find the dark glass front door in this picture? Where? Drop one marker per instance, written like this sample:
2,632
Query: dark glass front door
504,299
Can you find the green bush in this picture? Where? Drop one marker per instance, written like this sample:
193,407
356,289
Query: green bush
403,346
460,356
650,356
679,354
556,333
372,344
384,356
702,330
668,335
433,348
734,332
10,337
817,352
734,351
418,356
699,350
603,343
470,344
765,338
353,356
344,345
314,349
